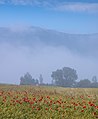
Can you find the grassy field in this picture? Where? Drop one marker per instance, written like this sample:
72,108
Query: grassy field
38,102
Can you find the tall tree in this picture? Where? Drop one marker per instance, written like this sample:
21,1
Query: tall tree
94,79
85,83
27,79
94,82
41,79
64,77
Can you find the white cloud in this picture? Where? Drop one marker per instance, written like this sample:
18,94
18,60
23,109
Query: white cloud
44,3
79,7
57,5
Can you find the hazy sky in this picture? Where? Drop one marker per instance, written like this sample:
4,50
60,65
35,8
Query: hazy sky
72,16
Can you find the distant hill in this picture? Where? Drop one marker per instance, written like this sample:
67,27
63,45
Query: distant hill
86,44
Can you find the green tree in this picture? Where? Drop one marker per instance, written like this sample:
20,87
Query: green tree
85,83
94,82
36,81
27,79
94,79
41,79
64,77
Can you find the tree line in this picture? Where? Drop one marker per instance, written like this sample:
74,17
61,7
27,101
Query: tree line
65,77
28,80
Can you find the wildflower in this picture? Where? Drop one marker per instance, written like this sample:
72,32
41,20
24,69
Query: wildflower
84,106
82,110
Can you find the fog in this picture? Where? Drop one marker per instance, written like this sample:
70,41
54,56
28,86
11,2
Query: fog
16,60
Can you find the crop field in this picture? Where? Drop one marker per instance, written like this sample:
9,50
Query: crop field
40,102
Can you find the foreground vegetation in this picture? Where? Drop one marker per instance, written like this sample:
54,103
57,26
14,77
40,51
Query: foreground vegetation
37,102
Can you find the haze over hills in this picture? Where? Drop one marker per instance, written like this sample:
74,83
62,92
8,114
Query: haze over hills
86,44
41,51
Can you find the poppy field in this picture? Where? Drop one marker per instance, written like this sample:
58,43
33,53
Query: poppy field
40,102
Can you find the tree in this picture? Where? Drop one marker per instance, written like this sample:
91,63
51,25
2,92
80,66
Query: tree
64,77
40,79
94,79
27,80
85,83
36,81
94,82
57,77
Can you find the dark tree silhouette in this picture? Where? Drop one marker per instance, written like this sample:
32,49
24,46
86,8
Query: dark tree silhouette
64,77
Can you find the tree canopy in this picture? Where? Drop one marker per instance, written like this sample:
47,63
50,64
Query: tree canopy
28,80
65,77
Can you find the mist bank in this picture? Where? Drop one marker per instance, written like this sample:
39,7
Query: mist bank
85,44
41,51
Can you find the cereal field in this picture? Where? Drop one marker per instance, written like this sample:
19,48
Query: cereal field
38,102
